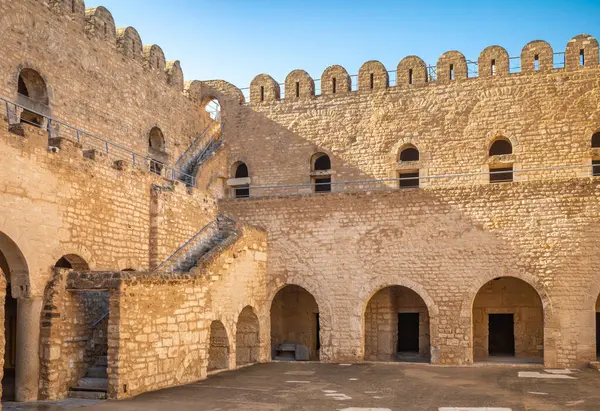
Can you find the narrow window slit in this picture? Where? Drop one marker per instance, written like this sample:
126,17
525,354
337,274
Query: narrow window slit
372,79
451,71
297,89
536,62
493,67
410,76
262,93
582,57
333,83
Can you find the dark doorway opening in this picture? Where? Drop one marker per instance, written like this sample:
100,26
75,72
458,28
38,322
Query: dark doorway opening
501,175
597,335
408,332
409,180
10,329
318,332
501,334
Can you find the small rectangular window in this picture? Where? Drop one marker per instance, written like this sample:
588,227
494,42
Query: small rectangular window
501,175
241,192
451,71
536,62
410,76
408,179
596,167
333,85
73,6
262,93
372,78
297,89
493,67
582,57
323,184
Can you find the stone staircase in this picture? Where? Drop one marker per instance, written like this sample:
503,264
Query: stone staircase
210,236
203,147
95,383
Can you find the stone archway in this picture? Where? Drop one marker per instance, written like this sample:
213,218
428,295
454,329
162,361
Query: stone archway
218,350
295,324
22,328
396,326
247,338
508,322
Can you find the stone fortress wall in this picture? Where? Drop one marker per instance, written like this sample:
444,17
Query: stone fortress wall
441,246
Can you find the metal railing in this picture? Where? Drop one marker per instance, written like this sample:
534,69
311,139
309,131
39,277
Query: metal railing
205,144
437,181
185,257
472,71
60,129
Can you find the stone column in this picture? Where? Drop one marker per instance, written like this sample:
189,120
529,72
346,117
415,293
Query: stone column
28,343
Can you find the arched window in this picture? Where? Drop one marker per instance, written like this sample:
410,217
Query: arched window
596,140
72,261
32,93
408,178
213,108
501,173
156,148
500,147
321,173
241,184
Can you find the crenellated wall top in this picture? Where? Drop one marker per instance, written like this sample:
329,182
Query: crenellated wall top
452,66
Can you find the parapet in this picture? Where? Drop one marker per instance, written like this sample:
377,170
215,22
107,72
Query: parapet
581,52
372,75
130,44
299,85
335,80
98,23
264,88
411,70
537,56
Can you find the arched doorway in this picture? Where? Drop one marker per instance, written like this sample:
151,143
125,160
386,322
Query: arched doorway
247,338
21,326
32,93
396,326
213,108
508,322
218,350
295,325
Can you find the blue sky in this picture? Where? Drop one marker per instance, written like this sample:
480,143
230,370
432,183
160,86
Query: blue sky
235,40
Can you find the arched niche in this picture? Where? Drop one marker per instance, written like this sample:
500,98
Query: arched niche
493,61
411,70
373,75
129,43
299,85
335,80
264,89
100,24
451,66
537,55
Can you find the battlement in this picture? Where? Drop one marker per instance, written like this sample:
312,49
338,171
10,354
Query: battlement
536,57
99,24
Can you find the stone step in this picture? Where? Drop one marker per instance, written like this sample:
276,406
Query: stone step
595,365
87,395
286,347
91,383
97,372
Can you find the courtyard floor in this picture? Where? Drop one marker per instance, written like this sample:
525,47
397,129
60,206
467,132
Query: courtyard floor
366,386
